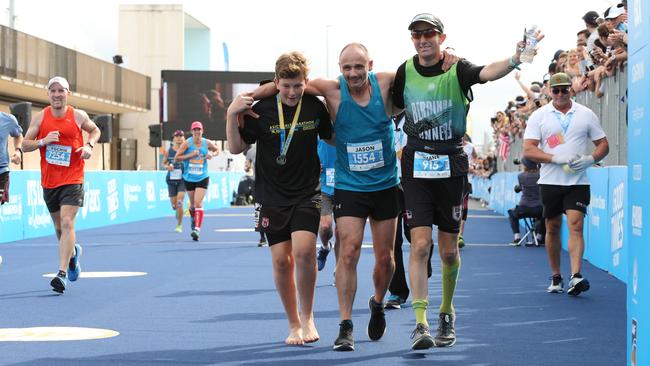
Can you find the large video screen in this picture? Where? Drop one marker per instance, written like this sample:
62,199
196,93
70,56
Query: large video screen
204,96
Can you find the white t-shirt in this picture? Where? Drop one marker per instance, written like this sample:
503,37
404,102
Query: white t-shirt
546,126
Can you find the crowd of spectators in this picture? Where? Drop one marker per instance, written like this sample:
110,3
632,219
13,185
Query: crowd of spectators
600,49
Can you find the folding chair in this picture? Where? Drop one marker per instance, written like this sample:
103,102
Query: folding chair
531,234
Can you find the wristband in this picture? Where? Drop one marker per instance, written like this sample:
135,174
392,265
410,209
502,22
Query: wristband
91,145
512,64
40,143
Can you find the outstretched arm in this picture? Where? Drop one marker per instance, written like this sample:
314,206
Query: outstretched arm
499,69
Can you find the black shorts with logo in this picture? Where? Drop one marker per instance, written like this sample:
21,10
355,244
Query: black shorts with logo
380,205
66,195
557,199
435,202
278,222
192,186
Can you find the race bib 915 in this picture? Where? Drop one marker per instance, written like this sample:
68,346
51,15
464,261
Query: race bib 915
430,166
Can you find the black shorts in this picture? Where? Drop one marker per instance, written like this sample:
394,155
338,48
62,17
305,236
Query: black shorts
67,195
192,186
4,187
380,205
435,202
175,186
557,199
278,222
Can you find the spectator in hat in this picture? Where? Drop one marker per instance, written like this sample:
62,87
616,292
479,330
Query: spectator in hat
591,23
616,17
558,136
530,204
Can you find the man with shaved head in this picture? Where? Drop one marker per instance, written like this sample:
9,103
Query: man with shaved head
365,179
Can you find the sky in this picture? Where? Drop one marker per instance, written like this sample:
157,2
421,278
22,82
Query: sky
258,31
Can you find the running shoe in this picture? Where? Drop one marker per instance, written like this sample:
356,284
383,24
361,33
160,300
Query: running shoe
577,284
322,257
74,267
515,243
179,229
421,338
0,259
394,302
262,242
377,323
195,235
446,335
556,286
334,278
461,241
344,342
59,282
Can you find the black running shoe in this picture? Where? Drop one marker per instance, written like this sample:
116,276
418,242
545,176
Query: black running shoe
59,282
421,337
377,323
577,285
344,342
446,335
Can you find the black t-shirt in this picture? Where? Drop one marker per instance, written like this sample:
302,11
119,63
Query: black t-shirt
468,75
285,185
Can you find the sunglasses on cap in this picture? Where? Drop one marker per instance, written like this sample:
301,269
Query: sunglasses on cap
427,33
179,133
560,90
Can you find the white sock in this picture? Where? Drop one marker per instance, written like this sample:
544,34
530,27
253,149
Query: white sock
517,237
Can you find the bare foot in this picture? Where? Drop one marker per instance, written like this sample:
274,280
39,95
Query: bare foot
310,334
295,337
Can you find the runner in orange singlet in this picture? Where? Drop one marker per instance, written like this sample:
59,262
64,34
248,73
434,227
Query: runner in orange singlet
56,132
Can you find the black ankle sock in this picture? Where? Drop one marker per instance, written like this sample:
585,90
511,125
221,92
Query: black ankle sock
577,275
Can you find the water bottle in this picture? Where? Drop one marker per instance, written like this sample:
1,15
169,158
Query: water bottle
529,50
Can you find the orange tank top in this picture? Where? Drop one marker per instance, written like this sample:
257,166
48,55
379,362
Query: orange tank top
60,164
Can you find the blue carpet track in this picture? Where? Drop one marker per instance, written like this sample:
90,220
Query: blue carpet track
214,303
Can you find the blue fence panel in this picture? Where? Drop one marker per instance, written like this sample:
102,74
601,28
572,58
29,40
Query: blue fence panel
597,222
638,289
618,250
112,197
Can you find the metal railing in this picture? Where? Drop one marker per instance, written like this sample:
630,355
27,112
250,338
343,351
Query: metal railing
35,60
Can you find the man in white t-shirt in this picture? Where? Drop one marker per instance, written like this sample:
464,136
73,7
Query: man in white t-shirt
557,135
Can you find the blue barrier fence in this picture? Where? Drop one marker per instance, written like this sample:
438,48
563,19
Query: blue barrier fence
111,197
605,229
638,289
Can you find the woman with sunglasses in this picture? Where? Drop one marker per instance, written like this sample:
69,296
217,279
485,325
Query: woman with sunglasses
195,153
174,178
558,135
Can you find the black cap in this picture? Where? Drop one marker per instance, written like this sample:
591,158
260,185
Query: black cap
428,18
591,18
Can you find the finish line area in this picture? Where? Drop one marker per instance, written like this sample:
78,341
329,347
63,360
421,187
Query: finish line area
149,295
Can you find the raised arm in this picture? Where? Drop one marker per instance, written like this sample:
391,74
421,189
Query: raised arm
242,103
499,69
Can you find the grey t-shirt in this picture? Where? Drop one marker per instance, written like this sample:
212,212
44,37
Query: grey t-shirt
529,189
8,127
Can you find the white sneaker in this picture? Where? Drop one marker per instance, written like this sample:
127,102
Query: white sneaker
556,286
577,285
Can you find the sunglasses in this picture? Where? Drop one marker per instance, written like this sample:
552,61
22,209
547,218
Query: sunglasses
558,90
427,33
